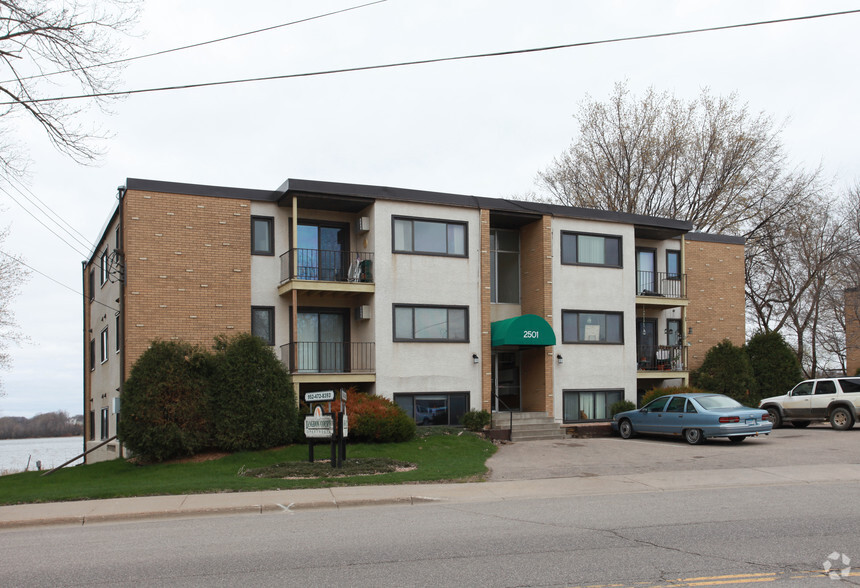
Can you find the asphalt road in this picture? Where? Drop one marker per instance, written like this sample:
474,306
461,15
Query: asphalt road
818,444
782,534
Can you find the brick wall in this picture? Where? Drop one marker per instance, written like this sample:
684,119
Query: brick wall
715,288
852,330
536,298
486,340
188,269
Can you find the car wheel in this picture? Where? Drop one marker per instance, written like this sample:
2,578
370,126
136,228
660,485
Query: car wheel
737,439
625,429
800,424
841,419
775,417
694,436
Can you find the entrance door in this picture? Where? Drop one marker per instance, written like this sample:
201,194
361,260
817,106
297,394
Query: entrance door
646,343
322,253
646,271
321,342
506,380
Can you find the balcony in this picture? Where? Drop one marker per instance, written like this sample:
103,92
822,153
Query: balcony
661,289
660,358
332,358
320,270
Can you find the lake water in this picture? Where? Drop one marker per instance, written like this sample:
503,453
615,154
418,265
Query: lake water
51,451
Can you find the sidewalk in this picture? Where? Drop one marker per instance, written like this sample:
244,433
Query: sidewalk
90,511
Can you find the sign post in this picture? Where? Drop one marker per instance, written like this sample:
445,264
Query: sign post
332,426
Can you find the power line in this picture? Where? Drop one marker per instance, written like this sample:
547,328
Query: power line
200,44
432,60
15,259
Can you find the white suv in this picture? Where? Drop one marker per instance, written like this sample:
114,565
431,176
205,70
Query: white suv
824,399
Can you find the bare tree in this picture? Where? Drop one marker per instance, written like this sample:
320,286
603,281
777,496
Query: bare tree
708,161
12,276
49,47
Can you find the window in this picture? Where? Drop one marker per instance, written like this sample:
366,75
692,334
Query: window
105,267
676,404
263,323
825,387
580,326
117,241
429,237
105,423
103,345
92,354
588,249
262,235
584,405
803,389
504,266
91,282
850,385
92,424
673,264
117,331
434,409
431,323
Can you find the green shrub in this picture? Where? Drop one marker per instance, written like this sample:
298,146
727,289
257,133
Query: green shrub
164,403
774,363
727,370
376,419
621,406
476,420
253,403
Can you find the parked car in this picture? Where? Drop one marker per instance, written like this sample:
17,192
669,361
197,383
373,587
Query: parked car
823,399
696,417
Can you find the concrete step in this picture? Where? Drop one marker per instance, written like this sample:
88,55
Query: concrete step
545,435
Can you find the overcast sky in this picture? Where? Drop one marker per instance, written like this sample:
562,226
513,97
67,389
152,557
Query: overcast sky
482,127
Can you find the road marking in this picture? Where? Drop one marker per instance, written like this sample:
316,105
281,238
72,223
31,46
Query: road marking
728,579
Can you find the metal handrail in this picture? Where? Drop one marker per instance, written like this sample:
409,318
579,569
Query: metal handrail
335,357
325,265
661,284
510,410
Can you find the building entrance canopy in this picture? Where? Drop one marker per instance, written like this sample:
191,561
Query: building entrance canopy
526,330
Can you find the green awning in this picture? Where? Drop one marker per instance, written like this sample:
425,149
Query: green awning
528,329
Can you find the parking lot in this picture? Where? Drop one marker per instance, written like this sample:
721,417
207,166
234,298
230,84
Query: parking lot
818,444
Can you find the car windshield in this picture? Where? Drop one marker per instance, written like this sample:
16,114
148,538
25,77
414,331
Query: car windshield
717,401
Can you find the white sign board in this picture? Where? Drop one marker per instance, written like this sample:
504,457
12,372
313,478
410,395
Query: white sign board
321,396
319,427
345,426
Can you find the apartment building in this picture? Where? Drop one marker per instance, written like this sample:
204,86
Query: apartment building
441,302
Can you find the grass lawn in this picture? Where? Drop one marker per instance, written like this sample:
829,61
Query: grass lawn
440,455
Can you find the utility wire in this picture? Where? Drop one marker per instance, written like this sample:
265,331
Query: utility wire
15,259
16,201
194,45
432,60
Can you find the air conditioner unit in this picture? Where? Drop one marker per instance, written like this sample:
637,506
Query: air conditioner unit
362,312
116,405
362,225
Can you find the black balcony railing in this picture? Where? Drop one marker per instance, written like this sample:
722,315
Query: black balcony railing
668,358
320,357
661,284
327,266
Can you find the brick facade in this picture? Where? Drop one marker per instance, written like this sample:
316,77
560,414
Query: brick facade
715,288
188,269
536,298
852,331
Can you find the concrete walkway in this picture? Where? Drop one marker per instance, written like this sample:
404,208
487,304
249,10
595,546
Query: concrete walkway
90,511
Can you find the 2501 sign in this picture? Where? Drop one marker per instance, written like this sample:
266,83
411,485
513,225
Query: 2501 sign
531,335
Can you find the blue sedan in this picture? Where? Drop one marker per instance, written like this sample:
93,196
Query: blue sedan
695,416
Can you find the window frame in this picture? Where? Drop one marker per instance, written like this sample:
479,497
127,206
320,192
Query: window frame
577,391
105,423
270,310
92,354
565,340
412,396
270,227
118,338
495,250
445,222
576,235
413,339
104,269
104,344
670,275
